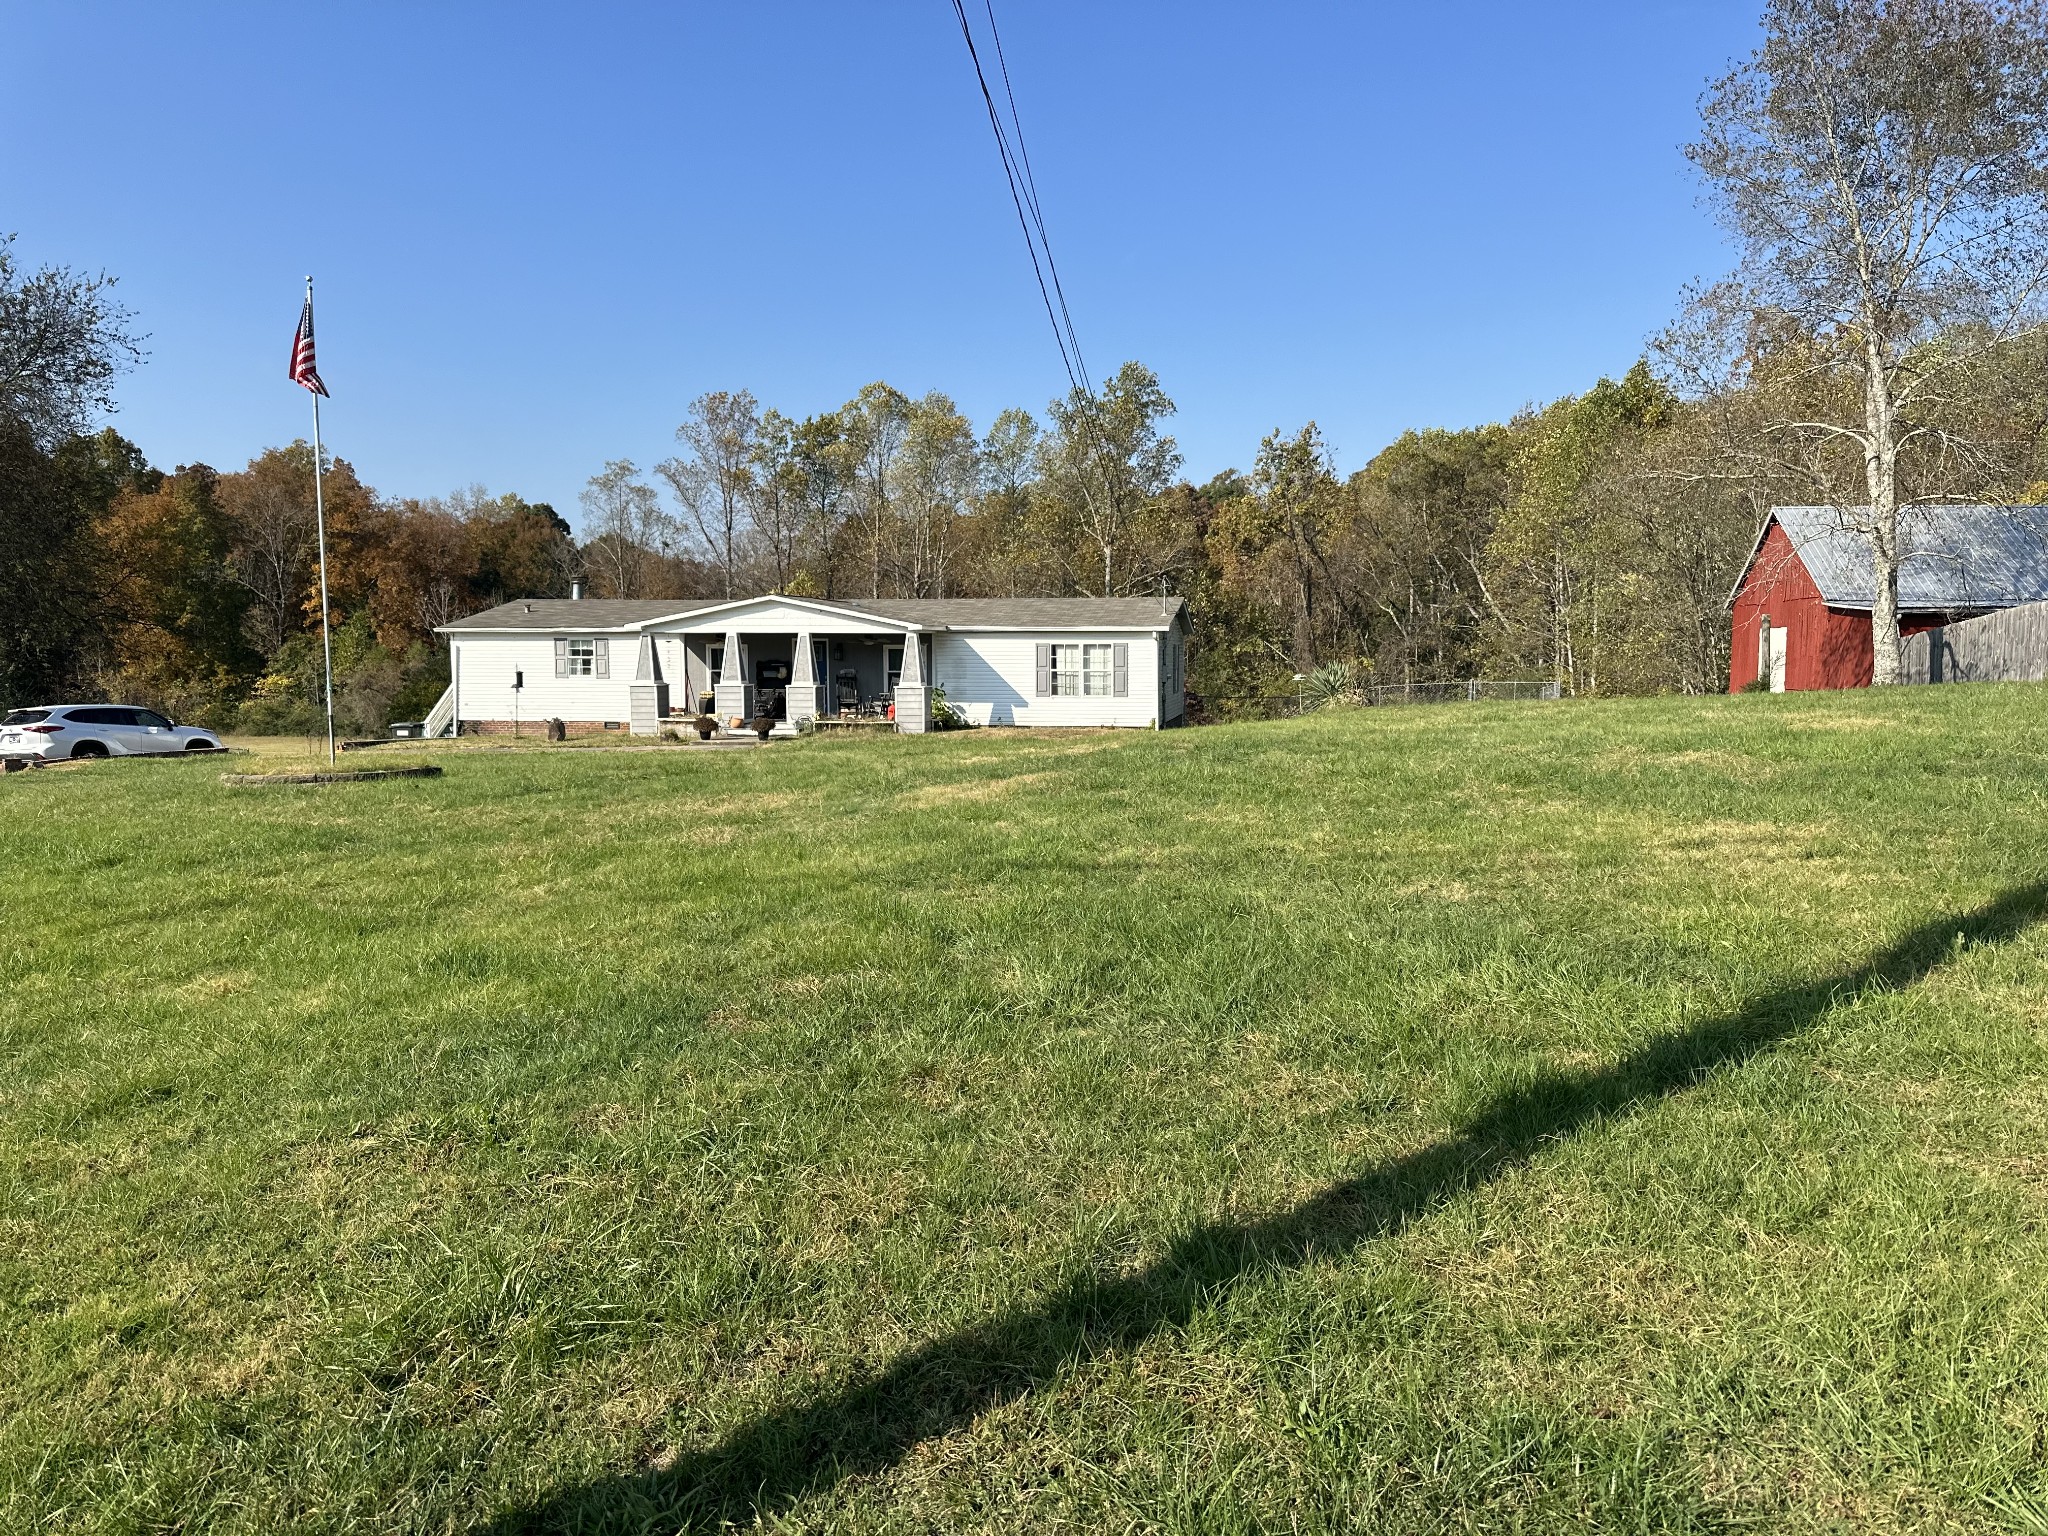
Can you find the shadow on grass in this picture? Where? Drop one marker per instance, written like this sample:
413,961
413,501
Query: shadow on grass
764,1466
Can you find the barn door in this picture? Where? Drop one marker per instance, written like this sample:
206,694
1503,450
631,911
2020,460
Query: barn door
1777,658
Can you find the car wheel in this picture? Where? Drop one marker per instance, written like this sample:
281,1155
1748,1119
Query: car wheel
89,749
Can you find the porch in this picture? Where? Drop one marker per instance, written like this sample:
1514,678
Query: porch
737,673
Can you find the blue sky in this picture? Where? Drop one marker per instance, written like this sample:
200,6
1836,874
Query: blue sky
539,231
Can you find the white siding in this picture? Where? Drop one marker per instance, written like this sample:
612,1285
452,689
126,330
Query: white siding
1173,680
484,680
992,679
769,617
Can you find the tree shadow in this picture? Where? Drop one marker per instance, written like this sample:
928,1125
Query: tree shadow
870,1423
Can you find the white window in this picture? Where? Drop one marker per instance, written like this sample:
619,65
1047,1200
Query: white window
1098,675
582,658
1066,669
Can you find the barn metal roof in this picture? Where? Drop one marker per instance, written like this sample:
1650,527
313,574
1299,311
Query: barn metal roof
1956,557
1047,613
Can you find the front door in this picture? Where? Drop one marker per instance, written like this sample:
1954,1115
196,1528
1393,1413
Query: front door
1777,658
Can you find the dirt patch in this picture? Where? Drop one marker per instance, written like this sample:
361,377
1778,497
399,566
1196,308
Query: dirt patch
775,802
971,791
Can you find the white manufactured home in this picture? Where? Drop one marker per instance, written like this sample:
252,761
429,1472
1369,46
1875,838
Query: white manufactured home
598,664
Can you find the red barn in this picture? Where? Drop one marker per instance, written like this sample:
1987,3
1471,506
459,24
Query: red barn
1802,608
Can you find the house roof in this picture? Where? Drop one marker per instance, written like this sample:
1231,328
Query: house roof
554,614
1956,557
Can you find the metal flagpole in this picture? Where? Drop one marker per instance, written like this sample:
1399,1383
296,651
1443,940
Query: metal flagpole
320,531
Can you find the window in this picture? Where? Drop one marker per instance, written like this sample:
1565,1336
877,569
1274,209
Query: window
1066,669
26,717
151,718
582,658
1084,669
1097,677
892,667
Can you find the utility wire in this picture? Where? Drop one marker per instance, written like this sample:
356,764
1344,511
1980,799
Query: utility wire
1019,178
1031,195
1031,219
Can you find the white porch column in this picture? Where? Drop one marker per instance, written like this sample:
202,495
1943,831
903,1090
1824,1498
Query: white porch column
806,698
913,699
648,694
735,695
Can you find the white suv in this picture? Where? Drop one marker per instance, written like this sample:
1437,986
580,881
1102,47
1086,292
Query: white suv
95,730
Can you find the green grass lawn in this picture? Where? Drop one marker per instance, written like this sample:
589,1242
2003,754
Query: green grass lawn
1616,1116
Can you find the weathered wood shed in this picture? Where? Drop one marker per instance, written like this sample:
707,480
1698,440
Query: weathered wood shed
1801,611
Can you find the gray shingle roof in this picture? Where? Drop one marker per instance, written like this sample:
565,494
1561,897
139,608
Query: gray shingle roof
1051,613
1025,612
1956,558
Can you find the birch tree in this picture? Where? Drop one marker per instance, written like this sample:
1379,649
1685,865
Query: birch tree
1883,166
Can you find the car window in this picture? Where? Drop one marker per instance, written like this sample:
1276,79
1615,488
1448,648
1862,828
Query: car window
26,717
88,716
151,717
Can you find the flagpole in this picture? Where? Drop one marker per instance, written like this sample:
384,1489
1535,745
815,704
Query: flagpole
320,532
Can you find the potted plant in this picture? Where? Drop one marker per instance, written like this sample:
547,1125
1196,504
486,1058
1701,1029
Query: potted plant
763,724
705,725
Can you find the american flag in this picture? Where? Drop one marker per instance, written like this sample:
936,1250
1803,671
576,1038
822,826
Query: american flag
303,371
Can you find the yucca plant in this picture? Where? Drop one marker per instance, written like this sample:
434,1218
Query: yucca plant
1332,685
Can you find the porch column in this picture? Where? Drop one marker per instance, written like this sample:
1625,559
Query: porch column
806,698
734,694
913,699
648,694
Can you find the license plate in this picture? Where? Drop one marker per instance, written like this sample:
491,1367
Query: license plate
13,739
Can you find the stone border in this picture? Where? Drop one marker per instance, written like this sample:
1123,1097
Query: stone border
427,771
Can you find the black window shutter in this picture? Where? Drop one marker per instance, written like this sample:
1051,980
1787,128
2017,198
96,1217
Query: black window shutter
1044,670
561,658
604,658
1120,670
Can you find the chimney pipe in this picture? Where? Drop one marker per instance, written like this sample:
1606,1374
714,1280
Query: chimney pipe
575,591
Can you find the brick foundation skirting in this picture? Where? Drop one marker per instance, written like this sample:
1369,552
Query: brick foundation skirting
538,728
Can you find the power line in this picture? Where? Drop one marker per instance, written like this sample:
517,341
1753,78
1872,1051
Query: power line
1031,192
1024,196
1093,440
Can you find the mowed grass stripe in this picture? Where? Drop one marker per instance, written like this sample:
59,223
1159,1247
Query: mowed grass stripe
1492,1117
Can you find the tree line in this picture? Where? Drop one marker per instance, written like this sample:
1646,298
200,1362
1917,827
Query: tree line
1881,165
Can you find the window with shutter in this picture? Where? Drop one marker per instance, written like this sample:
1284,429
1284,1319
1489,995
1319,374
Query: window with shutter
1097,671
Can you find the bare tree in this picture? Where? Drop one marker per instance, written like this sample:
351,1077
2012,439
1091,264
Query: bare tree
716,485
625,529
271,503
1884,166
